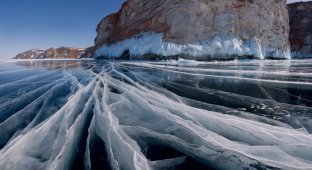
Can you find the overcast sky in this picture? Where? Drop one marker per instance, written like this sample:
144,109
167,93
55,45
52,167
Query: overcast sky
27,24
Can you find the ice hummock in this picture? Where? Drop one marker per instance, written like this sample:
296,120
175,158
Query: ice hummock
219,47
156,115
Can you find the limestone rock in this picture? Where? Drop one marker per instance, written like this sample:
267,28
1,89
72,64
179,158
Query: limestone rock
184,22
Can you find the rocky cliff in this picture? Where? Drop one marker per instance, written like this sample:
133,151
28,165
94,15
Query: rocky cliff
300,15
199,29
64,52
31,54
57,53
88,53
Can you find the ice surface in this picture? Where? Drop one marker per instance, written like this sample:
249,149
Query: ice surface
157,115
217,47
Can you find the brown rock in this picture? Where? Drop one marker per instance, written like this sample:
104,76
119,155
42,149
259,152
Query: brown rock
64,52
88,53
57,53
191,21
31,54
300,15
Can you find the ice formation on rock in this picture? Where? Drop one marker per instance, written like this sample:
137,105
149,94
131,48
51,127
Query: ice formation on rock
224,47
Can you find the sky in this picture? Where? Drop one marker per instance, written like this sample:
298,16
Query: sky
27,24
291,1
42,24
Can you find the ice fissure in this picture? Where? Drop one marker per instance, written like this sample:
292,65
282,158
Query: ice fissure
121,112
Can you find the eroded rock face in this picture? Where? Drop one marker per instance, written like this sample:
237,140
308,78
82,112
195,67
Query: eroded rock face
194,21
88,53
64,52
300,15
57,53
31,54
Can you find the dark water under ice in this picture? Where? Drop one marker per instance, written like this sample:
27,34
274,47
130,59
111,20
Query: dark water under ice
70,114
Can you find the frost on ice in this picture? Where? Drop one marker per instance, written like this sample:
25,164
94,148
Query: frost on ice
164,115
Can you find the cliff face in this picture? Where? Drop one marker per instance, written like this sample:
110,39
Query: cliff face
63,52
300,15
57,53
31,54
257,28
88,53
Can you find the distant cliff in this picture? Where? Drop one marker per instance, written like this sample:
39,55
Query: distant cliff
31,54
57,53
197,29
300,15
64,52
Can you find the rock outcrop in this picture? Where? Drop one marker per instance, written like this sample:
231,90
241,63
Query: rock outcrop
31,54
57,53
64,52
196,28
88,53
300,20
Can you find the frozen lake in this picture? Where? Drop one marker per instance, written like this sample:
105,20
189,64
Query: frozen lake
71,114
